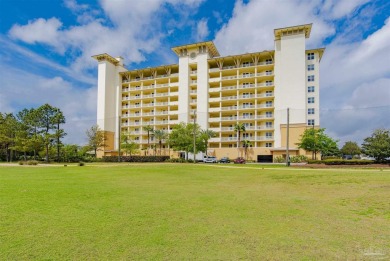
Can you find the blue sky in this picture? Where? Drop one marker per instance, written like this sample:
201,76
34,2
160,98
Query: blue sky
46,49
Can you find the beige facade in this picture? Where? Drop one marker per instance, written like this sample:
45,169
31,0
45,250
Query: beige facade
254,89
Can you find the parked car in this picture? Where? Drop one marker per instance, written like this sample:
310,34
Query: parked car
224,160
239,160
210,160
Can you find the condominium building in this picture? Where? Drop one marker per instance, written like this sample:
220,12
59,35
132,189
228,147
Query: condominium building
254,89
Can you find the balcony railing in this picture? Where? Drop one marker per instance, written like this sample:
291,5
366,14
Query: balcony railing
229,98
231,118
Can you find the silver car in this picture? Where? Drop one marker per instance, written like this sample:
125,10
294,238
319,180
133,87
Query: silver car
210,160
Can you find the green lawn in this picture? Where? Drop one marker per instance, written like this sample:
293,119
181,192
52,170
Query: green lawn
196,212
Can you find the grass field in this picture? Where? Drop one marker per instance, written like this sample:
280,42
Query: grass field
196,212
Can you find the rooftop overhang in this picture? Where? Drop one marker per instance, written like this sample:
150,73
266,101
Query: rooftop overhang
320,51
212,49
298,29
105,57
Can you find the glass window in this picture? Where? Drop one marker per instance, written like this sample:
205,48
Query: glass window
310,78
268,134
268,104
310,111
310,89
310,122
268,124
310,67
268,114
310,56
268,144
310,100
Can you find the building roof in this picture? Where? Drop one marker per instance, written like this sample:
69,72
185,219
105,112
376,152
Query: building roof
305,28
210,46
105,57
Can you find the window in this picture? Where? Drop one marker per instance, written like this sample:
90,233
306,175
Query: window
310,100
246,75
246,105
268,72
246,64
268,83
310,122
268,93
268,61
247,115
268,144
310,78
310,67
268,124
310,111
268,114
310,89
268,104
268,134
310,56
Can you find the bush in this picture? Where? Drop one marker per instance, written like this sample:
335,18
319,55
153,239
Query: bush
32,162
279,159
81,163
341,162
178,160
21,163
298,159
135,158
330,158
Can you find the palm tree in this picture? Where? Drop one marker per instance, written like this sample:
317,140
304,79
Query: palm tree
206,135
160,135
246,144
149,129
239,127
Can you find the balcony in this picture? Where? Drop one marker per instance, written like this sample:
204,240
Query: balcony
174,75
193,82
232,77
217,109
161,103
228,108
214,70
229,98
232,87
246,107
214,119
249,75
265,95
247,86
162,85
259,117
227,128
264,138
247,96
229,139
229,67
246,117
161,94
231,118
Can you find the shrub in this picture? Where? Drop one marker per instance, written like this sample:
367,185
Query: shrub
298,159
341,162
32,162
279,159
135,158
21,163
81,163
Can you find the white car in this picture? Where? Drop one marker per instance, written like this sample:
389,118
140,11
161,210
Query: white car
210,160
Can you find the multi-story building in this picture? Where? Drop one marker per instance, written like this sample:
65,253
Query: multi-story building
254,89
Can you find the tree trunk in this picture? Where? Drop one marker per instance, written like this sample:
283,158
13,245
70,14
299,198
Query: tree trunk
47,153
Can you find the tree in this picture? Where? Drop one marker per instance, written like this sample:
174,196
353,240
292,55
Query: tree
8,129
160,135
316,141
246,144
128,145
239,127
50,119
350,148
182,137
378,145
149,129
96,138
58,119
205,135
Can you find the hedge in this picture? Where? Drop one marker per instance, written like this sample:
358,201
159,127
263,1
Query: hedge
135,158
341,162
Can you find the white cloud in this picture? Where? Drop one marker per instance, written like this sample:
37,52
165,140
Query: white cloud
338,8
74,6
251,27
202,30
39,31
